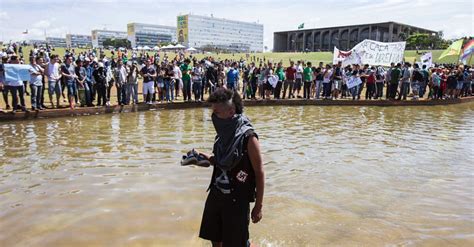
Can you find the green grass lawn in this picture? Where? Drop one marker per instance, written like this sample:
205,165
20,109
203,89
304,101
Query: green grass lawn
285,57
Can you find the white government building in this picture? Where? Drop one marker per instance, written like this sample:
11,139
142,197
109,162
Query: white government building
140,34
203,31
78,40
98,36
56,41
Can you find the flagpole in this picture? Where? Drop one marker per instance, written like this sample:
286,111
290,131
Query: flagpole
462,51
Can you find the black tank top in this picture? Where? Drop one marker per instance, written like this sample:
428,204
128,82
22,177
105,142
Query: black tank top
241,177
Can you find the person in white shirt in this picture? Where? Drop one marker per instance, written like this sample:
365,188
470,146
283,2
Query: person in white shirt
36,82
405,81
120,81
16,88
54,80
298,79
178,84
327,75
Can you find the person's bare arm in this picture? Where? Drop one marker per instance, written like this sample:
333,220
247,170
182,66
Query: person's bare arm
206,156
257,164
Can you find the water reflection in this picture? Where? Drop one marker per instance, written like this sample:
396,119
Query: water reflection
335,176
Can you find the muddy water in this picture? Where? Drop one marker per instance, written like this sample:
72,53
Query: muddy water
339,176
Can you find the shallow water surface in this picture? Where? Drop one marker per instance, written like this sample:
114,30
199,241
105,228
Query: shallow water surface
339,176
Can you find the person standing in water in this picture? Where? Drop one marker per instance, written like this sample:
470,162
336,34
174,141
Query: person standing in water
238,177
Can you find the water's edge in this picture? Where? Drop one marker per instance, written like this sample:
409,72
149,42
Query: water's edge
66,112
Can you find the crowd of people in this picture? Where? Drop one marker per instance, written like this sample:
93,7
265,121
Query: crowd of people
89,76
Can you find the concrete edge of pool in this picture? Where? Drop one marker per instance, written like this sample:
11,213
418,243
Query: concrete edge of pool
85,111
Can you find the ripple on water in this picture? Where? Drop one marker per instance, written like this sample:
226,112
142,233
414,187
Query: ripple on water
335,176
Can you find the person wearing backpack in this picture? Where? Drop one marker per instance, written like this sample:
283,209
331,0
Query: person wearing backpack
101,84
425,82
417,79
379,80
393,83
436,80
405,81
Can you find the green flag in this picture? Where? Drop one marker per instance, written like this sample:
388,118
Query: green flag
301,26
453,50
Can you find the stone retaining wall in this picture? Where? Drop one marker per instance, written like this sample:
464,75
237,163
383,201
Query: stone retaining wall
84,111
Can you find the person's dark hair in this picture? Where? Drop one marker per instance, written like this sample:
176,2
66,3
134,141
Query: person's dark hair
223,95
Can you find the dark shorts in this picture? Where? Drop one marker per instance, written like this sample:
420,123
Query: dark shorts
298,84
225,220
71,89
452,85
267,86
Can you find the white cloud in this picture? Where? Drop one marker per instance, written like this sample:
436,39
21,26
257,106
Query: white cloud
454,18
4,15
42,24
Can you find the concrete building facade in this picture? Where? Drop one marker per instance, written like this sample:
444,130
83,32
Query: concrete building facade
78,40
230,35
343,37
98,37
56,42
151,35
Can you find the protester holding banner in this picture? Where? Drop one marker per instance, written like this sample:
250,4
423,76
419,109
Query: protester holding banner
15,86
3,90
354,82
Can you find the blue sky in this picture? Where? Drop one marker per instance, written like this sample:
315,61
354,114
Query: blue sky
58,17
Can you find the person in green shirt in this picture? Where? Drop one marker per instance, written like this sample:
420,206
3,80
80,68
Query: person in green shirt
394,79
281,77
307,78
186,70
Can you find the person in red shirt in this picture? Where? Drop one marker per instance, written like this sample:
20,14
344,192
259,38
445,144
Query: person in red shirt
290,80
444,83
370,84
